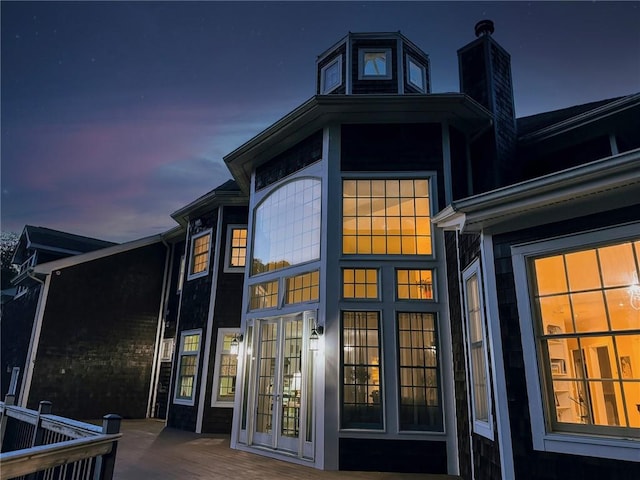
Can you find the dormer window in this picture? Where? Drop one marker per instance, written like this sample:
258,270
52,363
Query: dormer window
331,75
416,74
375,63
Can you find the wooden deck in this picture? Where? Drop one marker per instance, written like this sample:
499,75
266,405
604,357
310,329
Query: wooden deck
148,450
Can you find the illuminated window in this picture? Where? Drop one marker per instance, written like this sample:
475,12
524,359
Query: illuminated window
287,227
360,283
419,400
236,252
361,388
388,217
200,250
477,351
415,284
375,63
264,295
187,367
224,389
303,288
416,74
331,76
590,333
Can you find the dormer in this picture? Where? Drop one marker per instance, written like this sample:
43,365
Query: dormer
373,63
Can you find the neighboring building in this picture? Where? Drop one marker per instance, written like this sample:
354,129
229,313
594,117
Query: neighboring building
36,245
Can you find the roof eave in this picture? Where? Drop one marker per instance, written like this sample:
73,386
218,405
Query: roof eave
207,202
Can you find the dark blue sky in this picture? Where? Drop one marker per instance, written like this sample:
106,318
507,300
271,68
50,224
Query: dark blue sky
116,114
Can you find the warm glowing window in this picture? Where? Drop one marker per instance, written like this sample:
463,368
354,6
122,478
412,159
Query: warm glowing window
360,283
225,369
415,284
303,288
419,400
361,389
287,227
187,367
388,217
588,310
264,295
200,249
236,247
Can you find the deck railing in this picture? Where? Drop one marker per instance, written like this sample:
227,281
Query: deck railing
37,445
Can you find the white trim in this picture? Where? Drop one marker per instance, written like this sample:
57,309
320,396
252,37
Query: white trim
323,89
216,371
544,440
423,69
497,359
181,353
229,248
481,427
13,383
210,319
205,272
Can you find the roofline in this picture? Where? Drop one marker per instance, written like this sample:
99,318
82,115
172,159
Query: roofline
211,199
370,35
320,110
490,209
48,267
583,118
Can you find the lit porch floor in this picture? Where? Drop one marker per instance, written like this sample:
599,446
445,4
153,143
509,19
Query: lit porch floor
148,450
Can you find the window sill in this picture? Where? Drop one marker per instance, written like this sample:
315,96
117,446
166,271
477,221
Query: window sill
483,429
188,403
590,446
198,275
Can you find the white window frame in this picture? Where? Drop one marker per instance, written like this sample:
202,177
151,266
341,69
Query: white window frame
323,87
181,353
205,272
543,438
228,248
166,349
216,372
388,64
183,266
13,383
481,427
423,69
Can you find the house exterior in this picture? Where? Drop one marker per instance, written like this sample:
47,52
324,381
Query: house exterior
36,245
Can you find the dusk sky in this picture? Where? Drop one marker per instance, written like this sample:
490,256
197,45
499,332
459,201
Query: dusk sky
116,114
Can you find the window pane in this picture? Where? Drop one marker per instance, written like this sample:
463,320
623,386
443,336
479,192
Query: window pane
200,253
360,282
414,284
388,217
238,248
303,288
264,295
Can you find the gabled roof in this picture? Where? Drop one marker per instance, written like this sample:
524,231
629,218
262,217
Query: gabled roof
55,241
226,194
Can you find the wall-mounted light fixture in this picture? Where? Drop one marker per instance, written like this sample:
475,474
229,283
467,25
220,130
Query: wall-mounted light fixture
316,331
234,346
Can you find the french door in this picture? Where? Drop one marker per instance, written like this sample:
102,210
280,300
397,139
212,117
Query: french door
281,397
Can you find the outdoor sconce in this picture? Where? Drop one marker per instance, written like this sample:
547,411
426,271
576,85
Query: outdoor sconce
316,331
235,344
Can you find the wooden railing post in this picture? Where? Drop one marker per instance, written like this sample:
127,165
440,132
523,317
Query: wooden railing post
105,464
9,400
38,432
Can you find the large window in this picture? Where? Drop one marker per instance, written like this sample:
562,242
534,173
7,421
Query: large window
477,351
264,295
419,400
303,288
224,389
287,226
387,217
187,367
584,326
361,388
200,253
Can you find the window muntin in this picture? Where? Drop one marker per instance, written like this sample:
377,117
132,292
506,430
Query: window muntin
375,63
588,336
361,388
264,295
200,253
360,283
303,288
331,75
236,252
416,74
476,346
287,226
387,217
187,367
414,284
419,390
226,369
